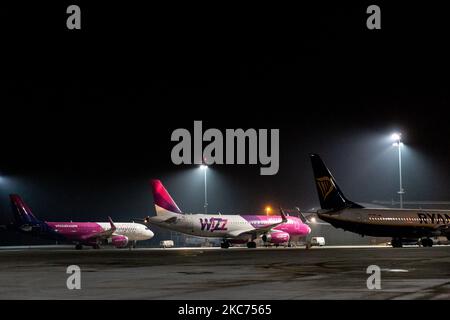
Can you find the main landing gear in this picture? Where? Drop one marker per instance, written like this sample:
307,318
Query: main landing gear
79,246
225,244
427,242
396,243
251,244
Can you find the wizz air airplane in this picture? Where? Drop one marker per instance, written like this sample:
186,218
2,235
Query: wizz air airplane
403,225
93,234
232,229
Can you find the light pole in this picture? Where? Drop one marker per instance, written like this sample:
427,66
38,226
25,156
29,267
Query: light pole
2,181
204,167
397,137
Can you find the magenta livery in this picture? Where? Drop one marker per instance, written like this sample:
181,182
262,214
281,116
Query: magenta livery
93,234
231,228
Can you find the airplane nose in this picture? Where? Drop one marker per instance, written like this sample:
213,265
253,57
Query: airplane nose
150,234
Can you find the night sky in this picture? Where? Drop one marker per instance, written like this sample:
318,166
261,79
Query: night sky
86,116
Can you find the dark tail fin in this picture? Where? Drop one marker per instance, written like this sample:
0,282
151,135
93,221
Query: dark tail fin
22,213
330,196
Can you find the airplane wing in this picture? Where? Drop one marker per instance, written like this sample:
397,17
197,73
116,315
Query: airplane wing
146,220
104,234
311,219
257,231
444,229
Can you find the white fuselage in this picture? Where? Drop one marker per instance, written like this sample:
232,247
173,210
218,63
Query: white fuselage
225,226
133,231
204,225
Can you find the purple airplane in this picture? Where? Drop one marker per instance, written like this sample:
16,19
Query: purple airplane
93,234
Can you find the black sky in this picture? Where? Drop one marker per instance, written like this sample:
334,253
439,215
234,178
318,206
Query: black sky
86,116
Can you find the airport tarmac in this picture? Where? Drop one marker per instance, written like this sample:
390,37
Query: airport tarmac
238,273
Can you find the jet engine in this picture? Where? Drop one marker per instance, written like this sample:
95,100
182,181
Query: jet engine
119,241
276,237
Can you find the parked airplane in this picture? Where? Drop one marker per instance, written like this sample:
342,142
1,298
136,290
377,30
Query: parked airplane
120,235
232,229
403,225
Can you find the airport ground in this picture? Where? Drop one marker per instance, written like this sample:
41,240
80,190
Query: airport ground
237,273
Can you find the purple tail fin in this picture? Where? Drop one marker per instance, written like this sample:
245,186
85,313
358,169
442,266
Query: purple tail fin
22,213
162,198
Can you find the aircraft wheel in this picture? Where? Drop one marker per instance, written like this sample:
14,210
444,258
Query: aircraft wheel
427,242
251,244
396,243
79,247
96,246
225,245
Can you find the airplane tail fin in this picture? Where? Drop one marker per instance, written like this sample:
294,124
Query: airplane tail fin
163,201
330,195
23,216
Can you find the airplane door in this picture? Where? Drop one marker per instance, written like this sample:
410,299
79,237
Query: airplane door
189,220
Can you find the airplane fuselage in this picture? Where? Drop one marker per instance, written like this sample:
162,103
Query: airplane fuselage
408,223
228,226
81,232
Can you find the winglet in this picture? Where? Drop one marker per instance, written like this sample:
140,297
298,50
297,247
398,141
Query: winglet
113,227
283,215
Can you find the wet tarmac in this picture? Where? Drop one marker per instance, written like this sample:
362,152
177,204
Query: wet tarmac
238,273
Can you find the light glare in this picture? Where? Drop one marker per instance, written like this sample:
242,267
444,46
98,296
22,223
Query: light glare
396,136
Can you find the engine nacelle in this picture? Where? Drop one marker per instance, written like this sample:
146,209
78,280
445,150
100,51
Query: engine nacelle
276,237
119,241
